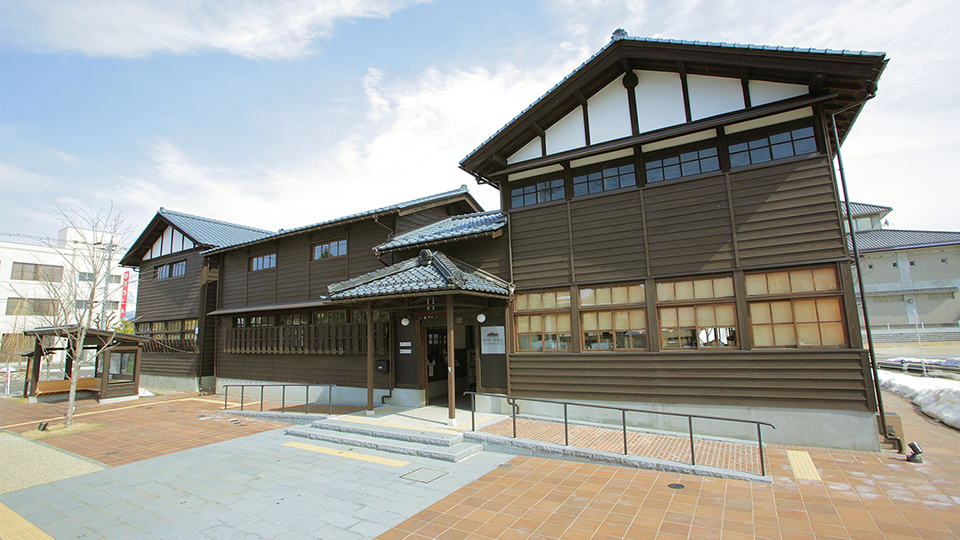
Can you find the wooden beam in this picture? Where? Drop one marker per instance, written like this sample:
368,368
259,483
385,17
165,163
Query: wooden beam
682,69
745,85
370,346
451,373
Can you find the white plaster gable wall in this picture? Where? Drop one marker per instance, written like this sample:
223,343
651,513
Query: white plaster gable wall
710,96
609,113
530,150
762,92
659,100
566,134
171,241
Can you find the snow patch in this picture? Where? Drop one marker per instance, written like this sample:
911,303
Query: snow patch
145,393
937,398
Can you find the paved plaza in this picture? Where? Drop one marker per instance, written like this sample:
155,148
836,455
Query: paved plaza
177,467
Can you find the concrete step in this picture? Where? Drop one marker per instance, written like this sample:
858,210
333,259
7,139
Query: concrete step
454,454
372,429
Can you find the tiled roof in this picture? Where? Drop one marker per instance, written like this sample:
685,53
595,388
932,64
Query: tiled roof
431,271
452,228
722,44
861,209
211,232
884,239
354,217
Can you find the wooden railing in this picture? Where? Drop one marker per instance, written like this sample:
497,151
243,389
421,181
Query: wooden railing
345,338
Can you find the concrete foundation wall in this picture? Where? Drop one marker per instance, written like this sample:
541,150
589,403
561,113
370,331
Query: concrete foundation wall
297,394
182,384
803,427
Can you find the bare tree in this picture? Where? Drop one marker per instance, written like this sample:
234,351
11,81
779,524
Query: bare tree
78,299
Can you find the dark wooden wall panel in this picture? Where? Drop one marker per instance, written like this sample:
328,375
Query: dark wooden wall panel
786,213
293,256
233,274
416,220
541,247
171,298
603,226
171,365
828,379
688,226
363,238
341,370
488,254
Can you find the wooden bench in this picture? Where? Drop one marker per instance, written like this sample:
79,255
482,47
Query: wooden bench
91,384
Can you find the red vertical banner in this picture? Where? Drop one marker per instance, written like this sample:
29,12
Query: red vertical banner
123,297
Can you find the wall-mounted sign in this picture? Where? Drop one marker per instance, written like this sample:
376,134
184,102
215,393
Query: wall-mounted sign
405,344
405,351
493,340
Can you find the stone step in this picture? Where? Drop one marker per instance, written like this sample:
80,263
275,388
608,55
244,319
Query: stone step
454,454
409,434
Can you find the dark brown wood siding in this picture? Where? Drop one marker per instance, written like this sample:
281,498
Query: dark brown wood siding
416,220
171,365
830,379
605,225
171,298
541,246
233,274
786,213
688,226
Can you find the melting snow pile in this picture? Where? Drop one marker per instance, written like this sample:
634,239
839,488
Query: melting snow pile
937,398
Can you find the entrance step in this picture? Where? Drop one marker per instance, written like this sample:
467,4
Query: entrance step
390,439
433,437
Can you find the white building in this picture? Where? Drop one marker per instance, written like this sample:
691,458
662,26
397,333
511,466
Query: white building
37,274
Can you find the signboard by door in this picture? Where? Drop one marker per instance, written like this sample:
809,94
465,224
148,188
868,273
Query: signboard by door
492,340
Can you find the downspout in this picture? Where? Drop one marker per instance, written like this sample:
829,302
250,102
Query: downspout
389,237
856,261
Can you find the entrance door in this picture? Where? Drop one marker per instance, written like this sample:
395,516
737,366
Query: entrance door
435,361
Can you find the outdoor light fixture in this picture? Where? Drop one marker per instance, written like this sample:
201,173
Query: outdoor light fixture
405,321
43,426
481,317
915,450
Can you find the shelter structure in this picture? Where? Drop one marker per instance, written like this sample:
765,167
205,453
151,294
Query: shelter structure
116,373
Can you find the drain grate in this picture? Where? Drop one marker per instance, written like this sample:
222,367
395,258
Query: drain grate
424,475
676,486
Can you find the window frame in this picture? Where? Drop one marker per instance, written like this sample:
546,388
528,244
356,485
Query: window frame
698,304
602,169
340,245
678,152
265,261
817,294
599,306
753,135
540,312
38,272
542,184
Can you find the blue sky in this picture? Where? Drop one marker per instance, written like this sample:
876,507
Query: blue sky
283,113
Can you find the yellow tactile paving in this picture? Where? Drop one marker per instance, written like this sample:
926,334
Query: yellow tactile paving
802,465
348,454
14,527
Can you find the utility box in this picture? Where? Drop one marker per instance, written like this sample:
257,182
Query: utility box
383,366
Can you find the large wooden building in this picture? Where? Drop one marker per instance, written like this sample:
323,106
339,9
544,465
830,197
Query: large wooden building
676,238
670,238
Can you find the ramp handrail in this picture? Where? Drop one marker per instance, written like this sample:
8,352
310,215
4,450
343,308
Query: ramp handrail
283,395
514,408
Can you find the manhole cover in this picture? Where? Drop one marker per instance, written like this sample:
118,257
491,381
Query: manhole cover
676,486
424,475
501,465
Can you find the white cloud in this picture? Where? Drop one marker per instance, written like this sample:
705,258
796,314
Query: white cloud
130,28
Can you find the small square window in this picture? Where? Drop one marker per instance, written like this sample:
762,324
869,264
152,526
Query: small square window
895,265
943,261
869,267
913,263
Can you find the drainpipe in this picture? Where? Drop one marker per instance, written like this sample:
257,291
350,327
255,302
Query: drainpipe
856,261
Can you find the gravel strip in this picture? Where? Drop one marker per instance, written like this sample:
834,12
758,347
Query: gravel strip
29,463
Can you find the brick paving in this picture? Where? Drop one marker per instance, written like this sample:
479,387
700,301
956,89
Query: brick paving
136,430
861,495
735,456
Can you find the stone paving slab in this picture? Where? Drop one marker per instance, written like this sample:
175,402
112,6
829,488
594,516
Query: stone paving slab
250,486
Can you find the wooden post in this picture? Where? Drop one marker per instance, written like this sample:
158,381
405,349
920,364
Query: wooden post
370,348
451,373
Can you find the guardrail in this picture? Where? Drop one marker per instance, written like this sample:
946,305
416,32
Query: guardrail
512,401
916,367
283,395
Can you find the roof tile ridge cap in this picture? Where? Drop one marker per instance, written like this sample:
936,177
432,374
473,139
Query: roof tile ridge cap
363,279
166,211
447,269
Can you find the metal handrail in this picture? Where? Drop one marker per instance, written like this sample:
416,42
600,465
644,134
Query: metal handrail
283,395
512,401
